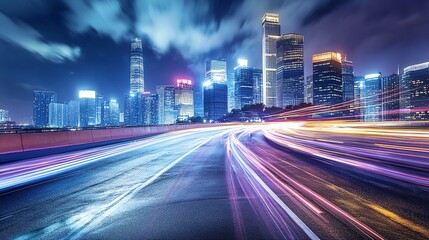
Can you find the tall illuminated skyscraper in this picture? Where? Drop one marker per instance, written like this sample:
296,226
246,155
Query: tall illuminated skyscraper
4,115
372,98
308,90
184,99
73,114
391,97
415,92
348,86
270,34
87,108
215,90
243,84
58,115
290,70
257,85
41,102
136,67
327,80
216,71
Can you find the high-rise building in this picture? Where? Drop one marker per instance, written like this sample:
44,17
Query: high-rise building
87,108
243,84
136,67
99,103
150,108
215,90
73,114
358,97
308,90
231,91
215,101
160,90
348,87
110,113
415,92
4,115
170,112
184,94
41,102
198,104
327,81
133,112
58,115
390,95
257,86
290,70
372,98
270,34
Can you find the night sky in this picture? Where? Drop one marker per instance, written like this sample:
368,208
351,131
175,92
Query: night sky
67,45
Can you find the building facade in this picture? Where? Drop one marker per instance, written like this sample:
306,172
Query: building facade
4,115
41,102
136,67
87,108
308,90
184,99
58,115
372,98
215,90
270,34
150,108
414,99
257,86
243,83
390,96
290,70
327,81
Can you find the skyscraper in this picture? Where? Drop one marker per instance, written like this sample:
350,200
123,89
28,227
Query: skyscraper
73,114
358,97
372,98
327,81
136,67
58,115
257,86
391,97
160,90
308,90
4,115
99,102
198,103
231,91
415,92
150,108
243,83
110,113
290,70
215,90
184,95
348,86
87,108
170,112
41,102
133,112
270,34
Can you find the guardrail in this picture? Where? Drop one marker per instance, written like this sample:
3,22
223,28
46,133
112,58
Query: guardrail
30,141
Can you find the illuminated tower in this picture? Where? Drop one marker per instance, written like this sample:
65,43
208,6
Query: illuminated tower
270,34
243,84
372,98
136,67
42,99
87,108
184,99
414,100
327,80
215,90
290,70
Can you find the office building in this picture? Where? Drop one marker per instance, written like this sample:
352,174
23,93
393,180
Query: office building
58,115
73,114
4,115
243,84
327,81
198,103
372,98
348,87
215,90
160,90
415,92
358,97
136,67
133,112
150,108
270,34
184,99
87,108
290,70
257,86
308,90
231,91
390,96
110,113
99,103
41,102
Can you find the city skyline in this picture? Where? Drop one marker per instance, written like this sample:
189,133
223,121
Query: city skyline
91,66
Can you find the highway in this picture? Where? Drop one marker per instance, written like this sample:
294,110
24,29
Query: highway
293,180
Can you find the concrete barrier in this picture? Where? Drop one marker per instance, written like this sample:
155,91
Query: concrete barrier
118,133
101,135
80,137
10,143
34,141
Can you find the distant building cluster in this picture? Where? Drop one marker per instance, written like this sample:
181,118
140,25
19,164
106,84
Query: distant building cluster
279,83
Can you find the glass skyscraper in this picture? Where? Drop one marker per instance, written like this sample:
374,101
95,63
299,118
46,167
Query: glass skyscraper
327,80
257,86
290,70
215,90
270,34
372,98
391,97
150,108
4,115
110,113
136,67
184,95
73,114
348,86
308,89
87,108
243,83
41,102
415,92
58,115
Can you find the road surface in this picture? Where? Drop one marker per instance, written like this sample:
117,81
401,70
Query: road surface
300,180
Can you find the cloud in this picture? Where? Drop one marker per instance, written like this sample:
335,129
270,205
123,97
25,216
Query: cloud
105,17
28,38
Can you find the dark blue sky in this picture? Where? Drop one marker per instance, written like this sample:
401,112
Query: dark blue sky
67,45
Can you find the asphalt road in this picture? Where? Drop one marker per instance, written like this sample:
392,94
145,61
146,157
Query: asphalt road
272,181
